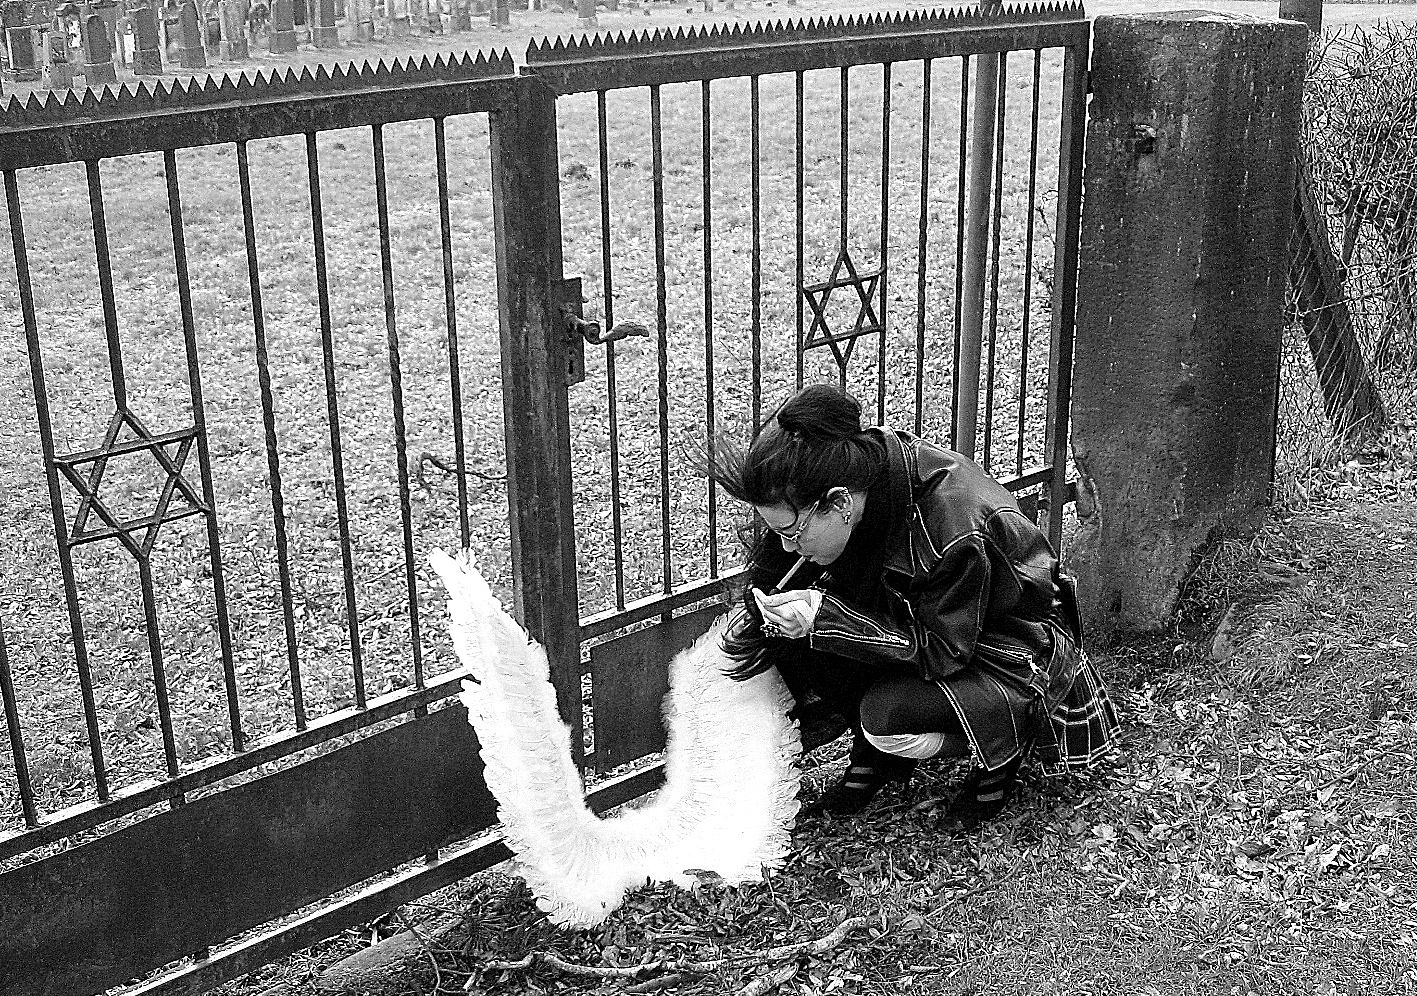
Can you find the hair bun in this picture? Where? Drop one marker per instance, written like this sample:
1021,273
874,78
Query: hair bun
821,412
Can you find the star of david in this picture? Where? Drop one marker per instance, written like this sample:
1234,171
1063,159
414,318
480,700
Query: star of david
868,321
88,484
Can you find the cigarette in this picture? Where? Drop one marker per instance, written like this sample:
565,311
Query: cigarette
788,576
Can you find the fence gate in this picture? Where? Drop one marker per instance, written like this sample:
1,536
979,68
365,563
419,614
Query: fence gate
890,203
267,368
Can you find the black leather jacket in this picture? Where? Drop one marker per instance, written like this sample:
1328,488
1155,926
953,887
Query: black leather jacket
963,571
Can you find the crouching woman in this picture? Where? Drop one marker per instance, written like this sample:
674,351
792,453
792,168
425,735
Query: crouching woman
931,616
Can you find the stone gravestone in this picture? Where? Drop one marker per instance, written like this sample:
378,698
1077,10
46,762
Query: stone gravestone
283,26
147,49
326,34
190,53
20,20
362,18
461,17
435,16
500,14
98,69
61,74
234,45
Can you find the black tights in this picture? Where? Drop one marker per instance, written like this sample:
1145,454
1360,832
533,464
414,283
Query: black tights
883,702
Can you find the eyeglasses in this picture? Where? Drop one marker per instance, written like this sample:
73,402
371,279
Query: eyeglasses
805,517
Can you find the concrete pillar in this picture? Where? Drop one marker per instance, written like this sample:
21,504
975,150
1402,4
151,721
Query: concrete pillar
147,45
1189,178
282,26
326,35
98,70
190,53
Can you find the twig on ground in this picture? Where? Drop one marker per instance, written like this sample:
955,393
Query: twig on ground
426,458
968,893
819,946
767,983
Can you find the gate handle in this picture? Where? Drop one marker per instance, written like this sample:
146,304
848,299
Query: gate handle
589,329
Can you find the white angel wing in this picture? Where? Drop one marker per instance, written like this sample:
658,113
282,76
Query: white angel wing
730,791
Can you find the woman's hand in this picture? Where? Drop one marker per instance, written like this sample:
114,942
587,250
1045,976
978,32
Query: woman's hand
790,614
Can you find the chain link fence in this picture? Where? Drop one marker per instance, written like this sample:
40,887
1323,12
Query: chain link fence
1349,374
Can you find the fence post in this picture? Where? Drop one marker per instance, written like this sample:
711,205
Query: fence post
1190,153
526,211
970,334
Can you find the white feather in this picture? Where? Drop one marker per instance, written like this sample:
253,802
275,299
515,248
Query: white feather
730,792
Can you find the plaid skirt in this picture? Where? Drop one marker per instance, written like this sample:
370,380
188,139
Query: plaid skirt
1008,704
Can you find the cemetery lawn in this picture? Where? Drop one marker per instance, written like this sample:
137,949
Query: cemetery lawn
261,687
1255,837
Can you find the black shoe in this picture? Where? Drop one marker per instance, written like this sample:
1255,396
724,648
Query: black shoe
855,789
983,795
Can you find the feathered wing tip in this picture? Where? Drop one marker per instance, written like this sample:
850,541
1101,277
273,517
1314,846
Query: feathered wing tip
730,794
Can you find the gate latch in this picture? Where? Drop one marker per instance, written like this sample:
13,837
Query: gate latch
580,330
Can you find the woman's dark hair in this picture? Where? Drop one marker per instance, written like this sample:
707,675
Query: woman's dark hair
813,443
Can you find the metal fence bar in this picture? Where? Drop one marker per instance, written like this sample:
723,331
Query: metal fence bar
450,311
1065,261
204,459
268,417
976,250
801,165
844,161
121,122
611,394
927,71
961,188
56,500
596,63
133,798
710,423
1000,114
105,286
885,242
756,263
526,215
1028,258
661,305
381,199
332,415
155,656
17,740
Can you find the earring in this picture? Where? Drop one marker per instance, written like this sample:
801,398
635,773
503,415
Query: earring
847,509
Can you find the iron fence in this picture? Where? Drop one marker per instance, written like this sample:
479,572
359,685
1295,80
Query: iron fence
249,659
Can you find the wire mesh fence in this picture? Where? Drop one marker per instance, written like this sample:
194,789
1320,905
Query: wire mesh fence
1350,357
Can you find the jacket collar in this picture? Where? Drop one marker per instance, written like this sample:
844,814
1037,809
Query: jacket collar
897,491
